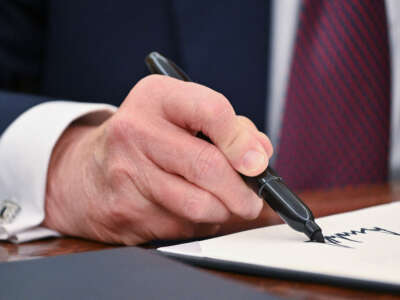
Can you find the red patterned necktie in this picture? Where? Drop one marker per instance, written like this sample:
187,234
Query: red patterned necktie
335,128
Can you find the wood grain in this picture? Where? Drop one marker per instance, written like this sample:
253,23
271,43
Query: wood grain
322,203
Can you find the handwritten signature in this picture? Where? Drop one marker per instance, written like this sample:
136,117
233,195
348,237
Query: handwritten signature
337,238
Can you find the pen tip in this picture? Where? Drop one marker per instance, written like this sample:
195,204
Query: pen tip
317,237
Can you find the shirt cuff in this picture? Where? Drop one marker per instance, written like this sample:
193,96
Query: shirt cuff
25,150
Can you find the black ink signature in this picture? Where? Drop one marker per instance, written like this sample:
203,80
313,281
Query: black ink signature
337,238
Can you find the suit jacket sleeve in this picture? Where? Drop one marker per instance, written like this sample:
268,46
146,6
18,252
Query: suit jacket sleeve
22,29
13,104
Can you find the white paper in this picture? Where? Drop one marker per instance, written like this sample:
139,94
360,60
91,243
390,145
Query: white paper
364,245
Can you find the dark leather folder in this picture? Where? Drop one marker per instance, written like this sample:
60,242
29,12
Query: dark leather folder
122,273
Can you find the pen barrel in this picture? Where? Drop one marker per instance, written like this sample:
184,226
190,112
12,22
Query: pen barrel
282,200
158,64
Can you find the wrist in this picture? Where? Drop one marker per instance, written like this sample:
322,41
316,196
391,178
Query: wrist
65,177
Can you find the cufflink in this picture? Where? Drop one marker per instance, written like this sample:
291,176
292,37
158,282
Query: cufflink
8,211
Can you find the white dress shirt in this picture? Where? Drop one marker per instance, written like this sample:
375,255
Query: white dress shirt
25,150
23,173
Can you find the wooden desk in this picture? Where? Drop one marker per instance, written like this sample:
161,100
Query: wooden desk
321,202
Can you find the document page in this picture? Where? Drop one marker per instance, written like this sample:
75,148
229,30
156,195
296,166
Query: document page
362,245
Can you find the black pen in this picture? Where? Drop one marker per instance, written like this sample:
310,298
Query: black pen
268,185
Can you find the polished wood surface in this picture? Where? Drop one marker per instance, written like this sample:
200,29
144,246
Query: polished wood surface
322,203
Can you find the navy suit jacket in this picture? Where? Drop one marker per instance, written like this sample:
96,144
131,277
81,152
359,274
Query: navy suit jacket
94,50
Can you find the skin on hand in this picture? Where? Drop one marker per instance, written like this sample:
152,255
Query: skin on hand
143,174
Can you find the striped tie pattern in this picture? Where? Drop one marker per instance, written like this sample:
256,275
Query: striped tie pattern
335,127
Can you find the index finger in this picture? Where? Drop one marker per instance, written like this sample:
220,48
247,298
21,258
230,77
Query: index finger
196,107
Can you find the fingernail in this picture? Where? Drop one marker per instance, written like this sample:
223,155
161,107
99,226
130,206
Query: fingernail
253,160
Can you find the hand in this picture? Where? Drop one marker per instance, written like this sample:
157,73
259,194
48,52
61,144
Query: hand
144,175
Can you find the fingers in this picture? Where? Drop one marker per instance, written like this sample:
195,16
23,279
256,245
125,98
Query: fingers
136,219
186,200
203,165
134,216
199,108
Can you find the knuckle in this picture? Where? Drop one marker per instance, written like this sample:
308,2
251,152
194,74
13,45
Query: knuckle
268,145
248,210
165,193
219,108
152,87
116,215
122,207
123,134
209,159
150,81
241,206
195,208
118,130
243,202
247,122
213,110
117,175
145,94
